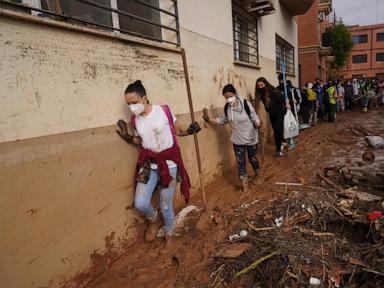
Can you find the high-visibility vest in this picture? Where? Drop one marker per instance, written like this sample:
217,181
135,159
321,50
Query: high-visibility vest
311,95
331,92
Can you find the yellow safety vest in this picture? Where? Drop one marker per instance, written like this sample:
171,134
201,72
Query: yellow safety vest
331,92
311,95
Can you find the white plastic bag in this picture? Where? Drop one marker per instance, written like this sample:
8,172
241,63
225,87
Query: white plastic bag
291,127
375,141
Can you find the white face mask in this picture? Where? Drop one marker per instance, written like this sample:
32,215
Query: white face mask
137,109
231,100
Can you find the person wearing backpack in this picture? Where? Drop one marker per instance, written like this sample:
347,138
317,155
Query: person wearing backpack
160,164
245,123
312,98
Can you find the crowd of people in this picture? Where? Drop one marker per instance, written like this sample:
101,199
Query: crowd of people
155,128
322,101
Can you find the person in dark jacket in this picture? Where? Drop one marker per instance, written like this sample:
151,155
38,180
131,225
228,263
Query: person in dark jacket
348,88
292,98
305,105
275,105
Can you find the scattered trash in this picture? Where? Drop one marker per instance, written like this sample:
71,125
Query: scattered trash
375,141
247,205
374,215
350,249
241,234
234,237
314,281
279,221
233,250
369,157
188,214
288,184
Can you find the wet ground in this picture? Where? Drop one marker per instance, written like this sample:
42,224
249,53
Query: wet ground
188,260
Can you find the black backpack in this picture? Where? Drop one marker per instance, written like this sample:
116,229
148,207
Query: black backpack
246,108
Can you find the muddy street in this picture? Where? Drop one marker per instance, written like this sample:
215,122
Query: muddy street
190,260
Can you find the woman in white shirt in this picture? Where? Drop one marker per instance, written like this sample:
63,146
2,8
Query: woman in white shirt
160,163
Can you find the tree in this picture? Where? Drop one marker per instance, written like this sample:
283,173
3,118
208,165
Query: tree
341,44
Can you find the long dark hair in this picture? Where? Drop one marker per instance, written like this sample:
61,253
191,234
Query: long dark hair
269,90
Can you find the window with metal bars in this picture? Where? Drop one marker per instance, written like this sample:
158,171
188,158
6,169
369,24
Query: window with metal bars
143,18
245,37
285,53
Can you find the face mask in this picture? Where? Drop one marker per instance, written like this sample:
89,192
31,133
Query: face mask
261,91
137,109
231,100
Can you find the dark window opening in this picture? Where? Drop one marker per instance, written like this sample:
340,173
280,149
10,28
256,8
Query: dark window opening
140,10
357,39
360,58
80,10
380,37
380,57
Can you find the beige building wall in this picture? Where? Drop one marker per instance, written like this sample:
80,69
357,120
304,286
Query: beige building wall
66,178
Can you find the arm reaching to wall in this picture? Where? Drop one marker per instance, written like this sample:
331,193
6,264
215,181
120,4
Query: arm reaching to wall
222,120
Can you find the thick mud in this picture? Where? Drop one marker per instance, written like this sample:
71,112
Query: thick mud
188,260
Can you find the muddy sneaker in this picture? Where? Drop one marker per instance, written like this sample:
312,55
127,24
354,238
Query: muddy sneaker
244,183
284,145
291,147
365,109
278,154
153,228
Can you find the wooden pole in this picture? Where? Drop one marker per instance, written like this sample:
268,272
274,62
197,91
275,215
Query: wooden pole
194,135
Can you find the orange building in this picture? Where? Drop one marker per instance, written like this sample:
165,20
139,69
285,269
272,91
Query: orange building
314,33
367,57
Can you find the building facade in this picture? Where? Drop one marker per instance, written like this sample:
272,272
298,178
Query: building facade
315,51
367,57
66,177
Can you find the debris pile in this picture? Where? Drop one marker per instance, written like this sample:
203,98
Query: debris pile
316,235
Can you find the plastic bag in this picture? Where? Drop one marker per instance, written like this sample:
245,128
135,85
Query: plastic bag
291,127
375,141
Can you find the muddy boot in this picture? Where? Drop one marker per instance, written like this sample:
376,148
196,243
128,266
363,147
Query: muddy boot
252,179
169,242
153,228
279,154
244,183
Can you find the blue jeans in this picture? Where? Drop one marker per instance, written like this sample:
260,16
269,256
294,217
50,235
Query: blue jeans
144,194
240,152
